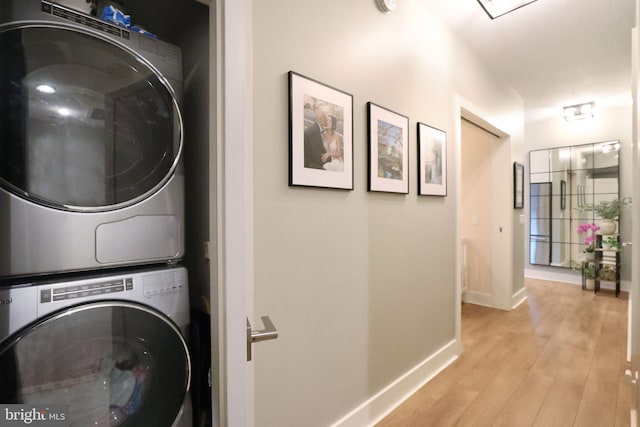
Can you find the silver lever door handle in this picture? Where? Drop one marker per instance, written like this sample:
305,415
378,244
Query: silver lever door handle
268,333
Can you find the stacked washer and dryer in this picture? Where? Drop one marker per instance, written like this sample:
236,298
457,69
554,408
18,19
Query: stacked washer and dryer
94,306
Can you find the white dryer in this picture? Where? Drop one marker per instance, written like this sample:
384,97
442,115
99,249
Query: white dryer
110,349
90,143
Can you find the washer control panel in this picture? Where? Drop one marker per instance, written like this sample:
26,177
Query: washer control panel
166,282
86,290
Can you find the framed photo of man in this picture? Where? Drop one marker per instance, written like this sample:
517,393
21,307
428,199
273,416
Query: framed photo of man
388,150
320,134
432,161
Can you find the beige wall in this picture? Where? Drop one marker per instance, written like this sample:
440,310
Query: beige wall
361,285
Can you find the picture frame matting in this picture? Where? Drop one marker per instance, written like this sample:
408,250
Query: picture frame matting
320,134
432,161
388,150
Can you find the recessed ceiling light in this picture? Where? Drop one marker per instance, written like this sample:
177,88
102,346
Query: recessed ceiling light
495,8
64,111
45,89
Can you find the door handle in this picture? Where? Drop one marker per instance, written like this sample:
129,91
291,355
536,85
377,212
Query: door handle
268,333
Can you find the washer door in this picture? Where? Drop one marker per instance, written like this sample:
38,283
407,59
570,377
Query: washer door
85,124
113,363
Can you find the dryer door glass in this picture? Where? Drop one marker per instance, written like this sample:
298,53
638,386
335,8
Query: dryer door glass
84,124
113,363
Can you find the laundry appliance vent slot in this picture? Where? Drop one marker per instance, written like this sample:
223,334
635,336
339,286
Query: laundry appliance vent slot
82,19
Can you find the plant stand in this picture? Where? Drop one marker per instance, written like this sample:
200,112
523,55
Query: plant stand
607,260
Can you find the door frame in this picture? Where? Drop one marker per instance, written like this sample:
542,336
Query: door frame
233,384
633,345
502,242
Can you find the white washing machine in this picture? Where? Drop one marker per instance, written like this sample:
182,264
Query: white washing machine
90,143
110,349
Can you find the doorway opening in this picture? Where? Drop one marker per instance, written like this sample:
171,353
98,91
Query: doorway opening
488,212
478,150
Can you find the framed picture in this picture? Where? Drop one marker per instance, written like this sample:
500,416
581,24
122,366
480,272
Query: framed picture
320,134
563,194
432,161
518,185
388,150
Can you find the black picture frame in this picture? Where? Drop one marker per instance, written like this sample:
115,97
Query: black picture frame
518,185
388,150
320,154
432,161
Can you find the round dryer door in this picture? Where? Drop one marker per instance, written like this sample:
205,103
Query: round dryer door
113,364
85,124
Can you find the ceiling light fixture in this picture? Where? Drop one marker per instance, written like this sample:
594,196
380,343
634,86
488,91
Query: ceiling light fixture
496,8
610,147
579,111
386,6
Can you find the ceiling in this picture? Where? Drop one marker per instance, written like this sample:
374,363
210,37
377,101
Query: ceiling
552,52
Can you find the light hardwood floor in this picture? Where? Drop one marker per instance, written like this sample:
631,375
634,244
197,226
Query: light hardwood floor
558,360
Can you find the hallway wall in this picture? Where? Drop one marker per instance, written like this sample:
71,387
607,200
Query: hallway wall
360,285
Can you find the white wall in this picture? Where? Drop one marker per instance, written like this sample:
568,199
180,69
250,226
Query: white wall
612,122
361,285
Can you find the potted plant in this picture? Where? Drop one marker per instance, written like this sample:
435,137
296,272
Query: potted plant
588,271
608,211
590,230
610,243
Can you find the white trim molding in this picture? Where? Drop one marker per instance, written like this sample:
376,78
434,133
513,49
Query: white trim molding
518,298
386,400
478,298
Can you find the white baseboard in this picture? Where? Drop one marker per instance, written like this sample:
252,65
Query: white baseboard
570,277
478,298
485,300
624,285
389,398
518,298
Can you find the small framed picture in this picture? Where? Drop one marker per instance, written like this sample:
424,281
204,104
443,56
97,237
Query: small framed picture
320,134
432,161
388,150
518,185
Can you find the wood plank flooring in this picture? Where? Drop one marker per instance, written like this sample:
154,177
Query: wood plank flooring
558,360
